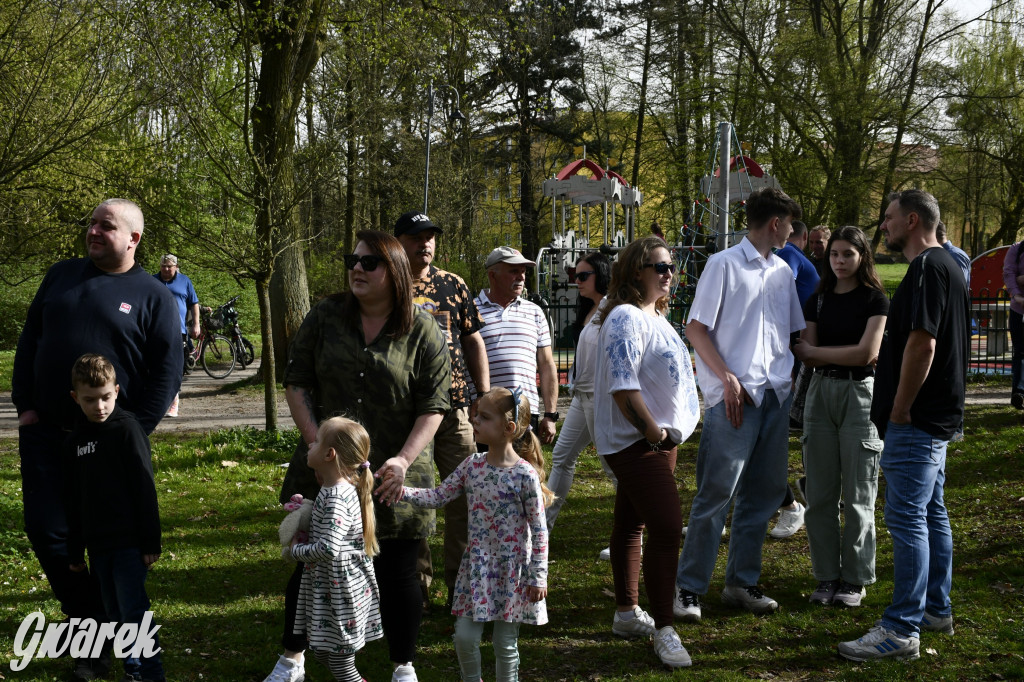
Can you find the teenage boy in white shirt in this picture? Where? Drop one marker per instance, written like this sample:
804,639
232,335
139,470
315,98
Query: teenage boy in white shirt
744,310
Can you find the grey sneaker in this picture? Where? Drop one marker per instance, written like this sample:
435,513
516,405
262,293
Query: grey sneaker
640,625
933,623
686,606
880,642
750,598
826,590
790,521
669,649
848,595
605,554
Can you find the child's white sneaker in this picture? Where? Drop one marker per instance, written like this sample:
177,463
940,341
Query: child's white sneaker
287,670
404,673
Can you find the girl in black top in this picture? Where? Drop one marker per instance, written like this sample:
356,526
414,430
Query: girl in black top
845,323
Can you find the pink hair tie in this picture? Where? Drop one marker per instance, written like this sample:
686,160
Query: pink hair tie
364,465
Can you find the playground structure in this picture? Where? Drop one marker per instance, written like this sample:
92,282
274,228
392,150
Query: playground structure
582,189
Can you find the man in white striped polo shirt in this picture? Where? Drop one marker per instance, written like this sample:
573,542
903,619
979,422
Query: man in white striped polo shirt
517,337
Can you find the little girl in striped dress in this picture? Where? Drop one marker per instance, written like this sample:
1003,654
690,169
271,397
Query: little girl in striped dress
339,608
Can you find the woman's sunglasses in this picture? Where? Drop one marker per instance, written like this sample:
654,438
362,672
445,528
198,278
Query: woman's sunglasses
660,268
369,262
584,276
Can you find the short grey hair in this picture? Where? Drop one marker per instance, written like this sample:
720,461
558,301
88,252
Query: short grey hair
169,258
130,211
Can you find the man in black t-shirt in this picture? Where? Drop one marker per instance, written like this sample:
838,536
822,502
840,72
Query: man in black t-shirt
918,405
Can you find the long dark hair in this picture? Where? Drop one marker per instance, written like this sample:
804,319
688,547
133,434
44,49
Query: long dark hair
866,273
395,261
602,278
625,284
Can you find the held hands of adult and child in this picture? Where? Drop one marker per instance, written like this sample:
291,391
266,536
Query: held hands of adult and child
391,476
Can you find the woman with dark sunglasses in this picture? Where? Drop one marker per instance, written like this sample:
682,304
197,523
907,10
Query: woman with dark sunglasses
593,274
645,404
368,353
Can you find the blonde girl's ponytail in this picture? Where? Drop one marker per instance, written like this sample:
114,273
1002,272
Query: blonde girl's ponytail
352,443
363,482
528,447
525,441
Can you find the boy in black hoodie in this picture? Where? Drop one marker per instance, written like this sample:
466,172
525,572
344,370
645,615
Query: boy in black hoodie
112,508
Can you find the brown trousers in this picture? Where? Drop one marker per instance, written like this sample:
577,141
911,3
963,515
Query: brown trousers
647,496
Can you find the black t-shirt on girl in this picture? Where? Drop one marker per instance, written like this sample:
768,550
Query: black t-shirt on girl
844,317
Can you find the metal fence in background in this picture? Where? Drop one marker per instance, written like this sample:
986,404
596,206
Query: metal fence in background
990,332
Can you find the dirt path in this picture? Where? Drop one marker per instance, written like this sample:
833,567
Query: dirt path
206,405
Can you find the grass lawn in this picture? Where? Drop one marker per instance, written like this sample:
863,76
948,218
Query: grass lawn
218,589
892,273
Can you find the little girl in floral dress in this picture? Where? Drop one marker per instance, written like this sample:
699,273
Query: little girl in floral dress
339,606
503,575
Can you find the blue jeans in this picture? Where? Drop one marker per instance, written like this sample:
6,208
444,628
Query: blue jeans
122,578
748,464
914,464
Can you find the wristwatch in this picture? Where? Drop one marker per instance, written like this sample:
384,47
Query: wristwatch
553,416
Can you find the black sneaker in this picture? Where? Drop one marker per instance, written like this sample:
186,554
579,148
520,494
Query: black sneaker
848,595
1017,400
83,672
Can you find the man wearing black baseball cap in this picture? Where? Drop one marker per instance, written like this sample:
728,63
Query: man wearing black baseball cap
446,296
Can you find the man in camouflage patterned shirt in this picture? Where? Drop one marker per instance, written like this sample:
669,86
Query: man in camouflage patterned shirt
446,296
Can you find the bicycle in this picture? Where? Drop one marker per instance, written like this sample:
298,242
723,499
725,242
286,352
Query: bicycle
214,351
244,350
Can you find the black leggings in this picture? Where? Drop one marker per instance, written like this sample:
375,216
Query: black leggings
401,602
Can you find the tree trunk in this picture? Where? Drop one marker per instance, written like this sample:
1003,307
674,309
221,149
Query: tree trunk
641,107
290,48
267,363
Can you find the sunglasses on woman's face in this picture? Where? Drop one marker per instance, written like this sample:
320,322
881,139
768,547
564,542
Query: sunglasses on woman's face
660,268
369,262
583,276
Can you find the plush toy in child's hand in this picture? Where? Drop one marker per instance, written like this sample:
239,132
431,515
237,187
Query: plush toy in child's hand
295,525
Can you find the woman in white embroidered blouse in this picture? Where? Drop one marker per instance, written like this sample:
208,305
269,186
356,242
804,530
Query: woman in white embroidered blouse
645,404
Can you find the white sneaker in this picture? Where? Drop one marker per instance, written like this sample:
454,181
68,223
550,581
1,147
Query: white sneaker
640,625
287,670
605,554
686,606
790,521
404,673
724,531
750,598
670,650
880,642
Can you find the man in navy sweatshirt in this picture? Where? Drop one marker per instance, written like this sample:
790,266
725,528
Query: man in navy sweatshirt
104,304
